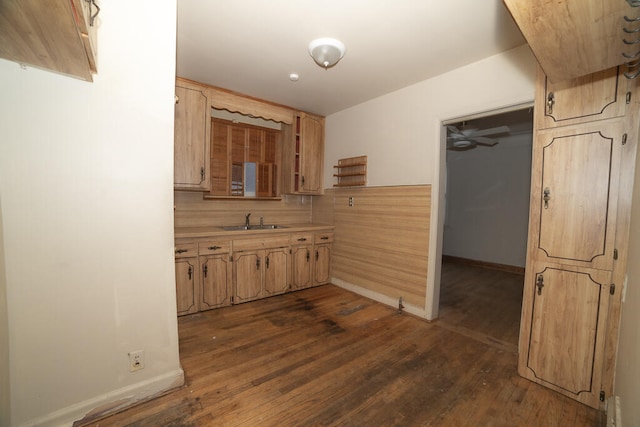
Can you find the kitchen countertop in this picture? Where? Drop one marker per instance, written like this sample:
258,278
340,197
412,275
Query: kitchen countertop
210,231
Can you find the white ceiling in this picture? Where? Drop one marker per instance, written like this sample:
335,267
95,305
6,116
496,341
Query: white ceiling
251,46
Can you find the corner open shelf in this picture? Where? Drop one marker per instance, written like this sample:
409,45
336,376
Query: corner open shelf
352,172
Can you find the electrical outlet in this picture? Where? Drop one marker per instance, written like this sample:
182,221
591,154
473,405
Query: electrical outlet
136,360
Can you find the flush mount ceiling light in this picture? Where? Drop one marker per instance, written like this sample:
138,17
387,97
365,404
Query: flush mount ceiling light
326,51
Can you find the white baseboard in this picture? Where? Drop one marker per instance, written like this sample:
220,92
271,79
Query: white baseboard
384,299
614,412
112,402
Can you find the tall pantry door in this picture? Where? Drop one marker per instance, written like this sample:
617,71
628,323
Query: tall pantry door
568,283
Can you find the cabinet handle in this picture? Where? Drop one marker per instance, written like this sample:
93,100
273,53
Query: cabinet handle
308,256
317,255
204,270
180,251
302,180
202,173
258,263
92,16
190,272
214,248
324,238
546,197
540,284
266,262
550,101
302,239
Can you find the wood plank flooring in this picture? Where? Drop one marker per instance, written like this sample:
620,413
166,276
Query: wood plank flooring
482,303
327,357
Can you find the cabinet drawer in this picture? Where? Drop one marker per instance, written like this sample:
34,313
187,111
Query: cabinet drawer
186,250
261,243
214,247
301,238
323,238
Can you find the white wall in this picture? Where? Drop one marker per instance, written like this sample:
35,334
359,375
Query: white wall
86,173
401,132
487,202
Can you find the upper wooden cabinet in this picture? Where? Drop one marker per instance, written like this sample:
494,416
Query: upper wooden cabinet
55,35
575,188
192,128
573,38
303,155
602,95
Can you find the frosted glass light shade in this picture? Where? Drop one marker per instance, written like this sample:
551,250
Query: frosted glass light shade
326,51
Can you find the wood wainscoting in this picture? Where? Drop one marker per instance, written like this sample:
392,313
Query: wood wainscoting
381,242
191,210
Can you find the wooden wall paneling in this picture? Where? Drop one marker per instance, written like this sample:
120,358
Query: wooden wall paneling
322,208
382,241
191,210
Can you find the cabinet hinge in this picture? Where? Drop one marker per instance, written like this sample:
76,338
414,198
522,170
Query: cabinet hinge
202,173
602,396
628,97
612,289
624,139
615,254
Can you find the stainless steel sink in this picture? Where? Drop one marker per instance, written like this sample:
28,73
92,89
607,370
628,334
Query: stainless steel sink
253,227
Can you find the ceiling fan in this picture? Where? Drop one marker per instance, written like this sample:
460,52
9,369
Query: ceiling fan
466,137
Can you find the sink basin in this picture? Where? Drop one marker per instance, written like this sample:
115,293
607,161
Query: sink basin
253,227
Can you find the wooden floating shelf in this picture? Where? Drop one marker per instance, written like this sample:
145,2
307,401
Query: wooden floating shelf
352,172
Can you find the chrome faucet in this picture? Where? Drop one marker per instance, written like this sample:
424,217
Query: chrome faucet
247,223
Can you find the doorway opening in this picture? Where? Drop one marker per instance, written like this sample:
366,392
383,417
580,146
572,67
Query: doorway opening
486,206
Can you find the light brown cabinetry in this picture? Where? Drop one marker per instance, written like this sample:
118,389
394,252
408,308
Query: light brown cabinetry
191,136
301,260
598,96
576,225
187,295
303,155
573,38
56,35
322,258
260,267
215,274
244,160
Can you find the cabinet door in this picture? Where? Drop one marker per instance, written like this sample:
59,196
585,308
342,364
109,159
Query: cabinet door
276,266
575,192
302,262
598,96
562,341
186,279
322,265
191,138
247,276
215,273
311,155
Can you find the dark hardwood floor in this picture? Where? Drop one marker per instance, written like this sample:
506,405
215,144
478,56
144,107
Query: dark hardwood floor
481,303
326,356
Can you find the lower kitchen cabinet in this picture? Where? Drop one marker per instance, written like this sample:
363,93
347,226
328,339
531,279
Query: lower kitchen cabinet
219,272
322,258
301,260
259,274
215,274
186,258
